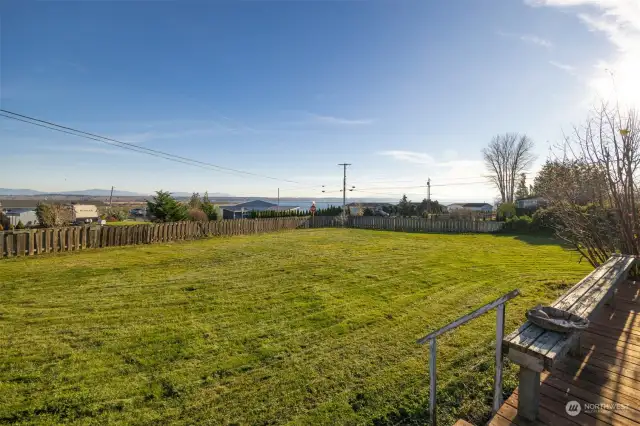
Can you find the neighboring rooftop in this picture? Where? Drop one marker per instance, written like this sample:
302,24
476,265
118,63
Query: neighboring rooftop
255,204
475,204
469,205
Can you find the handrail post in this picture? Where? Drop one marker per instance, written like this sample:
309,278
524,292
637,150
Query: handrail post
497,383
499,305
432,379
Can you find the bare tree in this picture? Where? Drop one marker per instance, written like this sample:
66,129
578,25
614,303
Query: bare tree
506,157
592,193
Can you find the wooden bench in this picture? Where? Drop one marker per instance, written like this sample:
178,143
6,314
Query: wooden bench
535,349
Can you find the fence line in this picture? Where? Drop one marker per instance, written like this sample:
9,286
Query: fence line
75,238
407,224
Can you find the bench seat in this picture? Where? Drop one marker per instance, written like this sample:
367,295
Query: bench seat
536,349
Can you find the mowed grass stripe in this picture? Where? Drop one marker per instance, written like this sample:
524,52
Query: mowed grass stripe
311,326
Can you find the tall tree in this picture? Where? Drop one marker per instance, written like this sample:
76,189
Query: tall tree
523,190
209,208
506,157
194,201
404,206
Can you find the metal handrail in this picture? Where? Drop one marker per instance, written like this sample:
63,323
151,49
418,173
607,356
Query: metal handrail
431,338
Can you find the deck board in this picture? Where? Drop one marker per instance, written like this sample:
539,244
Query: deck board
607,371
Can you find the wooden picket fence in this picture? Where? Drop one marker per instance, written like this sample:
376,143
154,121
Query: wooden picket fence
407,224
74,238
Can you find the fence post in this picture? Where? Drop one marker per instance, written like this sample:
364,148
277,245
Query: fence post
9,244
20,244
31,241
76,238
70,239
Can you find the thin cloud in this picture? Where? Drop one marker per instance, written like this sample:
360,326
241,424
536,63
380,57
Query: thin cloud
410,156
538,41
564,67
528,38
340,121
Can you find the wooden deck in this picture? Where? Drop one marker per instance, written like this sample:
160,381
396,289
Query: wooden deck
607,372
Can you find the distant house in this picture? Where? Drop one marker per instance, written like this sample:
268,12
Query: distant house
455,206
530,203
243,210
474,207
27,216
83,213
356,209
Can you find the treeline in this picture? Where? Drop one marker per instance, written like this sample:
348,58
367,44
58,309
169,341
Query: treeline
329,211
407,208
164,208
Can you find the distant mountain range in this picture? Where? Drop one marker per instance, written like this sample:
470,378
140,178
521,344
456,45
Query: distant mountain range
89,192
95,193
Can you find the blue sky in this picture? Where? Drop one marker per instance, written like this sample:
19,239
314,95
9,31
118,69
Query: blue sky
404,90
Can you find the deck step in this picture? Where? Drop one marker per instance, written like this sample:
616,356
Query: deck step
462,423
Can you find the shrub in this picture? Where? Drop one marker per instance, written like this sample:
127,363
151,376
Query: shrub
544,218
210,210
197,215
521,224
118,212
52,215
506,211
20,225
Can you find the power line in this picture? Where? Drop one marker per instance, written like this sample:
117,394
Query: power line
125,145
379,181
426,186
108,143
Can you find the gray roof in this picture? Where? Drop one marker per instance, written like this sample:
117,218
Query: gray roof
255,204
476,205
18,204
18,211
250,205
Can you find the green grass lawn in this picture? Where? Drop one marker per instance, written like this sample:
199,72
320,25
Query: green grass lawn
306,327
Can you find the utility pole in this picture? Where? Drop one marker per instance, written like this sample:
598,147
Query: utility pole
111,196
278,199
344,185
428,195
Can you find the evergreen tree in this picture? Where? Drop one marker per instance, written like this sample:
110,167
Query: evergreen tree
404,206
523,190
209,208
165,208
194,201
